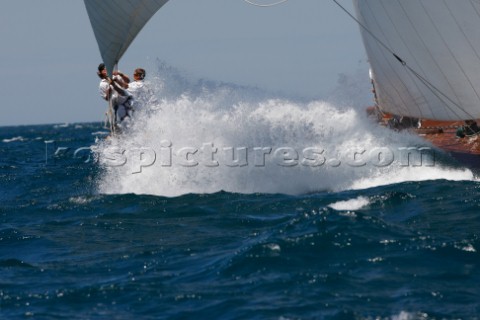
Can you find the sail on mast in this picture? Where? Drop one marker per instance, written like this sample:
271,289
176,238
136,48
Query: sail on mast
436,74
116,23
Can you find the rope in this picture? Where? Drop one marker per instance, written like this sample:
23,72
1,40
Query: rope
265,5
111,113
437,92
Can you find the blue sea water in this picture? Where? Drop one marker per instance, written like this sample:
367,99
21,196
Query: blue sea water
68,250
82,238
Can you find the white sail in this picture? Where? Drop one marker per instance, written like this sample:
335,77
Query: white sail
116,23
439,43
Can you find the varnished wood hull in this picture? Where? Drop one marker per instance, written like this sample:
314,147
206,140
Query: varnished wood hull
442,134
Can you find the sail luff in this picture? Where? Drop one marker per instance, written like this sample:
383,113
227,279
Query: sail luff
116,23
440,44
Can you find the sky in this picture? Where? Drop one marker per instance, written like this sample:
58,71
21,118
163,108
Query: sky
49,55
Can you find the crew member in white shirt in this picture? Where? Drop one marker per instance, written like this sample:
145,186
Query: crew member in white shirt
141,92
115,89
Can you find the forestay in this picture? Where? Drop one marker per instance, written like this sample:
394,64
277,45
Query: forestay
439,43
116,23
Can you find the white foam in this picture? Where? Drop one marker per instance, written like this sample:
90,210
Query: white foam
350,205
100,133
226,116
63,125
19,138
403,315
468,247
80,200
411,174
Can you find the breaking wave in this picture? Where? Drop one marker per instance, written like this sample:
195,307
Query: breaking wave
204,137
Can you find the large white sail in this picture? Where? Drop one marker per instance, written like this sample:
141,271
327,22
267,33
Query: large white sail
438,42
116,23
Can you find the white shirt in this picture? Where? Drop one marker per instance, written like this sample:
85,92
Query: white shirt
142,94
103,88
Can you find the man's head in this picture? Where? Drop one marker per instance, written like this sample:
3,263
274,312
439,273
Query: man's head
139,74
102,71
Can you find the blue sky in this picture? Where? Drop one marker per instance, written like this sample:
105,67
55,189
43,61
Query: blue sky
49,54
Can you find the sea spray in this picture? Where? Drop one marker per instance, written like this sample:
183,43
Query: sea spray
207,137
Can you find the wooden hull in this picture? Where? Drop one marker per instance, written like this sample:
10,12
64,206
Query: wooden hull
442,134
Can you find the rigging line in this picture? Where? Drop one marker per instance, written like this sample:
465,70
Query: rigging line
420,92
427,83
388,81
459,65
428,50
264,5
432,88
436,92
364,27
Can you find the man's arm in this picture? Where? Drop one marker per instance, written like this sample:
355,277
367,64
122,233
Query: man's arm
118,88
124,77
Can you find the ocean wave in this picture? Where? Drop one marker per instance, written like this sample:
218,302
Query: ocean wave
14,139
353,204
223,137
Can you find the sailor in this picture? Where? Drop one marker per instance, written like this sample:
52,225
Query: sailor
470,128
116,90
141,91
